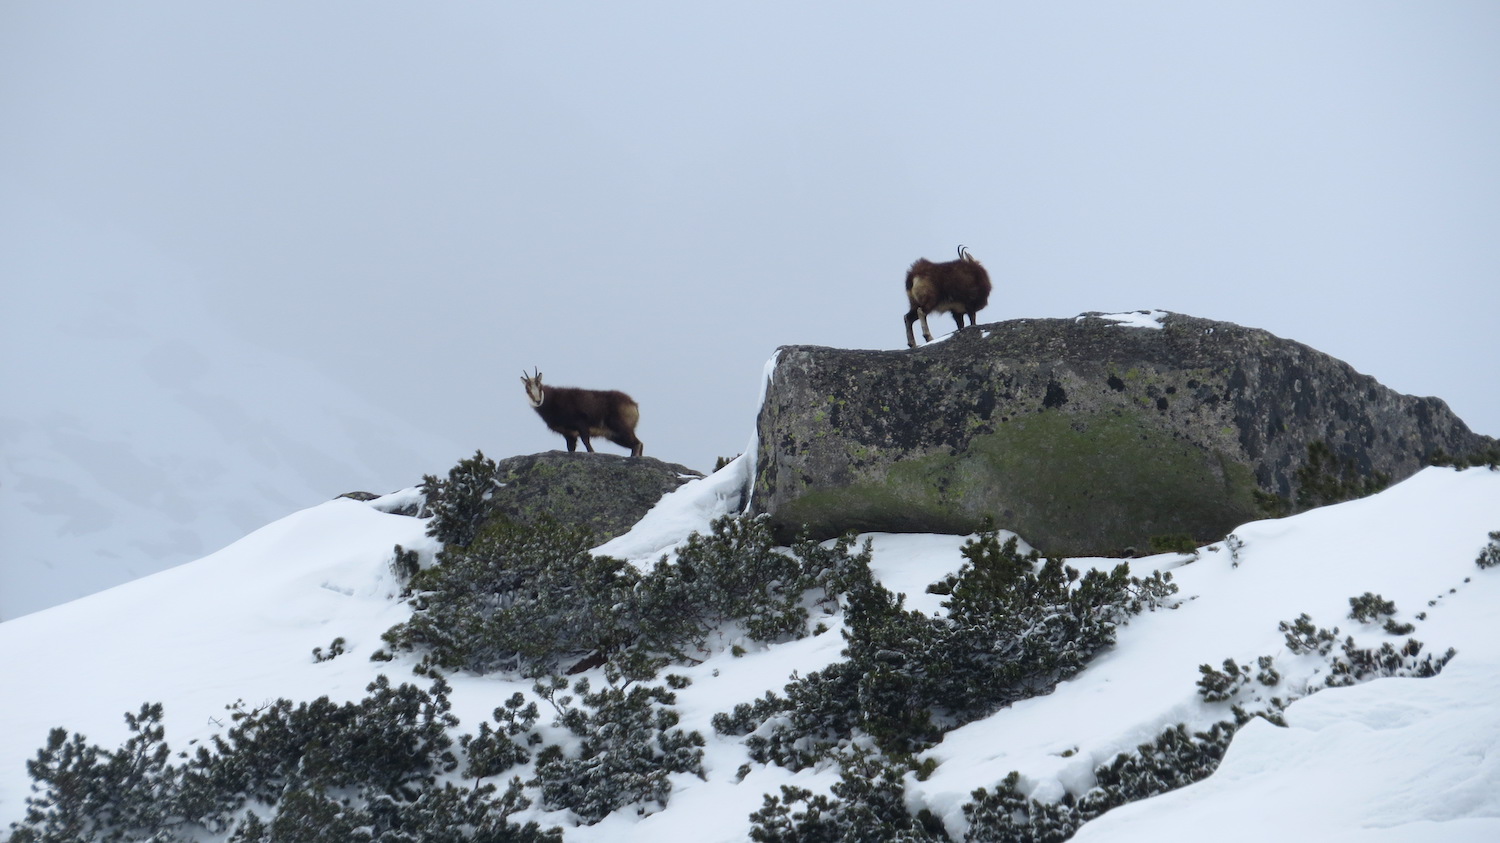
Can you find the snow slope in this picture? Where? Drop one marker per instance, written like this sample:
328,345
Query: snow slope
1391,760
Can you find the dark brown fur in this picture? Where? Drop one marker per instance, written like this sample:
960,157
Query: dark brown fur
582,413
960,287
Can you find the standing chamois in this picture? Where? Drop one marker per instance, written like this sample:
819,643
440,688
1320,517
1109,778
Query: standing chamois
581,413
956,287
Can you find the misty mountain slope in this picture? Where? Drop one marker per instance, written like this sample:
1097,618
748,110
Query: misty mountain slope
1391,759
138,434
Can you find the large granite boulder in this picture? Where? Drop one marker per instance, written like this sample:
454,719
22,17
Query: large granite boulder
608,493
1087,436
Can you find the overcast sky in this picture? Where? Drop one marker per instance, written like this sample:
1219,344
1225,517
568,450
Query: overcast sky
418,201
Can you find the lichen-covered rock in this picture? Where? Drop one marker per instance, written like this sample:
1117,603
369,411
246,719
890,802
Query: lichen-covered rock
607,493
1087,436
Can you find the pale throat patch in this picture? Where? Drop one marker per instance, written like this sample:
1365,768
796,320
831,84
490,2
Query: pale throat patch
535,395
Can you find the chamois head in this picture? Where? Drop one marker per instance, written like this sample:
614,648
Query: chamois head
534,391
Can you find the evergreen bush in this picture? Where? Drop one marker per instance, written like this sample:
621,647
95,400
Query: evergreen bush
1302,637
737,574
628,747
1219,686
533,600
494,751
1370,607
517,598
460,504
1489,456
1489,557
360,771
1176,758
867,803
1360,664
83,792
1326,478
1015,627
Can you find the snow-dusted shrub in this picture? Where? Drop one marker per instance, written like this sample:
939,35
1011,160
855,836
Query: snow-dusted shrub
1370,607
360,771
628,747
1489,557
1302,637
733,575
1347,662
1009,816
867,803
335,650
1221,685
405,563
1015,627
309,815
1176,758
86,793
446,814
518,598
532,599
1355,664
493,751
1361,664
460,504
393,742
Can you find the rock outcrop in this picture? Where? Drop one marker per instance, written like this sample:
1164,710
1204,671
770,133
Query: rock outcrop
606,492
1087,436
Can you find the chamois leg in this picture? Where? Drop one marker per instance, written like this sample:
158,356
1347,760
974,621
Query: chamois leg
572,442
926,332
958,319
911,316
628,440
586,442
620,429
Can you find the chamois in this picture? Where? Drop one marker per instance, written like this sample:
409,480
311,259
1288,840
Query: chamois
958,287
581,413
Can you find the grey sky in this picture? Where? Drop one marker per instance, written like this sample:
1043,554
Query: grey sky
418,201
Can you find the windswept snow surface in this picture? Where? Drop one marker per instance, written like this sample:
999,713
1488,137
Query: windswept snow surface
1390,760
1150,319
689,508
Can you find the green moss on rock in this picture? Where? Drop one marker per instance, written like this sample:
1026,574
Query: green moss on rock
1090,484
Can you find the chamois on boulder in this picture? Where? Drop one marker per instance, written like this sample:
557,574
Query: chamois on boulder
958,287
581,413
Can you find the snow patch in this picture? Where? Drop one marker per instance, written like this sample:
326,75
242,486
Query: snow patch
1149,319
690,508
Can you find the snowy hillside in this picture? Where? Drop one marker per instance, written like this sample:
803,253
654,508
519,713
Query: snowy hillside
137,434
1388,760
